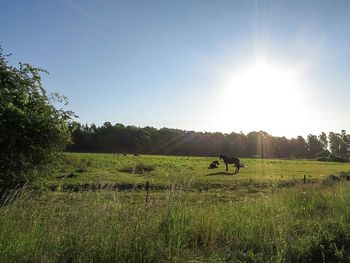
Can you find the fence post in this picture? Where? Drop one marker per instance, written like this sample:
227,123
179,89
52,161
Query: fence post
147,192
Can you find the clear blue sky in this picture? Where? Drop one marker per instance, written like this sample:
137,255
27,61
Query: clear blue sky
167,63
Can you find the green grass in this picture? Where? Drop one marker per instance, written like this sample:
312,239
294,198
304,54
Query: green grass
188,216
83,169
308,223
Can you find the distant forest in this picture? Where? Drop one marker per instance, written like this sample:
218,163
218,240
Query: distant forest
122,139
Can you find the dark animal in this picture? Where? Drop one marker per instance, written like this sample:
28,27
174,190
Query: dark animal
214,164
334,178
232,160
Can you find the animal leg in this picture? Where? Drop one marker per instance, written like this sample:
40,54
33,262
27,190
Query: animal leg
226,167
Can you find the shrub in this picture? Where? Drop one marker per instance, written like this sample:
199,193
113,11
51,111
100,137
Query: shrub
332,158
345,175
323,153
137,169
339,159
32,130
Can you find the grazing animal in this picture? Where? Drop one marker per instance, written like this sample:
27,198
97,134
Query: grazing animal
232,160
214,164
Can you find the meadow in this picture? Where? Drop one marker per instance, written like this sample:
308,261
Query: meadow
162,172
96,208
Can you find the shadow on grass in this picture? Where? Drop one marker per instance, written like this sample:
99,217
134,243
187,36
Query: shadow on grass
220,173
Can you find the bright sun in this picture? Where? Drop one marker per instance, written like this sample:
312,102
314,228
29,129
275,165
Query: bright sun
265,97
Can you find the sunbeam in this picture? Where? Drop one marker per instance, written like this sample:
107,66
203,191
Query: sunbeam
263,96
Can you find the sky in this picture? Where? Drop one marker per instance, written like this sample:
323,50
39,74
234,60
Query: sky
278,66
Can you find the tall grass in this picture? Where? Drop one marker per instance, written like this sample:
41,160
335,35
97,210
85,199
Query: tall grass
301,224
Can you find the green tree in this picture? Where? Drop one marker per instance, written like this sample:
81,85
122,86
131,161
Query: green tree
32,130
314,144
299,147
345,144
335,142
324,140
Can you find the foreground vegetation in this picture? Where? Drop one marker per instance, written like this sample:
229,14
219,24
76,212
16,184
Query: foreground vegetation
304,223
95,208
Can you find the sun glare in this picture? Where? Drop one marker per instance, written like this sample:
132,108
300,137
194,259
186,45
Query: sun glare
263,96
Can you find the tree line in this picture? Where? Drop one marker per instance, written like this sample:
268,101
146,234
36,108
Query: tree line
119,138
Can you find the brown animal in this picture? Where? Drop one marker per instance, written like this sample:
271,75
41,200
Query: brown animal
232,160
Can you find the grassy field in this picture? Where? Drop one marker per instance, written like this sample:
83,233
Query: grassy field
164,171
94,208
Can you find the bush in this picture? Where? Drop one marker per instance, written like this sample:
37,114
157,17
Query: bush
323,153
331,158
339,159
137,169
345,175
32,130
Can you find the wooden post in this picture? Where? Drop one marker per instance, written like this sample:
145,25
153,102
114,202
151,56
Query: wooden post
147,192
